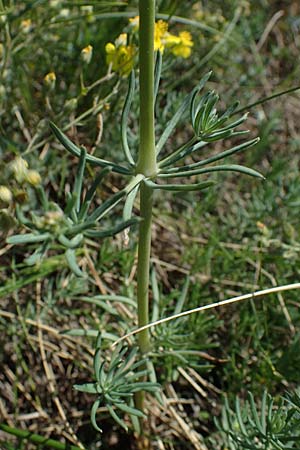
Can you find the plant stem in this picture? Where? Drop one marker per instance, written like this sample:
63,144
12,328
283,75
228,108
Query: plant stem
36,438
147,157
147,166
143,267
147,160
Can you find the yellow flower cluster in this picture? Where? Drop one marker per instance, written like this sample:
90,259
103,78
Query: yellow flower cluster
180,46
120,55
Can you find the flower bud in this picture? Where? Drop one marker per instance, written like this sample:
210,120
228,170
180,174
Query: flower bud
86,54
50,80
33,177
5,194
19,167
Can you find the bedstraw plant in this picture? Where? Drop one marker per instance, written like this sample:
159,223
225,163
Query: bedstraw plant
120,382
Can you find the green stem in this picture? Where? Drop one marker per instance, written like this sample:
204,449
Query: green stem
36,438
143,267
147,166
147,158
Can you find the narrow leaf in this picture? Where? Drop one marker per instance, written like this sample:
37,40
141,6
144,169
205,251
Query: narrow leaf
70,243
71,260
27,238
130,410
113,231
90,388
93,415
74,150
180,187
177,116
124,118
217,157
129,202
117,418
79,178
157,73
103,209
222,168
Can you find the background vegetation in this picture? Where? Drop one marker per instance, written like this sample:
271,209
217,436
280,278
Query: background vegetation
240,236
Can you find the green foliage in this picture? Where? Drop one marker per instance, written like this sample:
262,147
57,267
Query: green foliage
273,426
116,383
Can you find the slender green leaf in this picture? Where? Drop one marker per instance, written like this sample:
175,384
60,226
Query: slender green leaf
91,192
115,416
129,202
103,209
113,231
29,238
157,73
89,333
130,410
79,178
90,388
70,243
182,297
216,157
124,118
93,415
74,150
182,152
178,115
180,187
239,417
72,263
222,168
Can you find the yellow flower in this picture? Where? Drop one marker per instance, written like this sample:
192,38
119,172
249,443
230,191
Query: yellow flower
121,39
134,22
180,45
50,80
120,56
86,54
160,31
26,25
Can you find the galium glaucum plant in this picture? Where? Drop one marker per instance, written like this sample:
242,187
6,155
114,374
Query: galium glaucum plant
146,173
